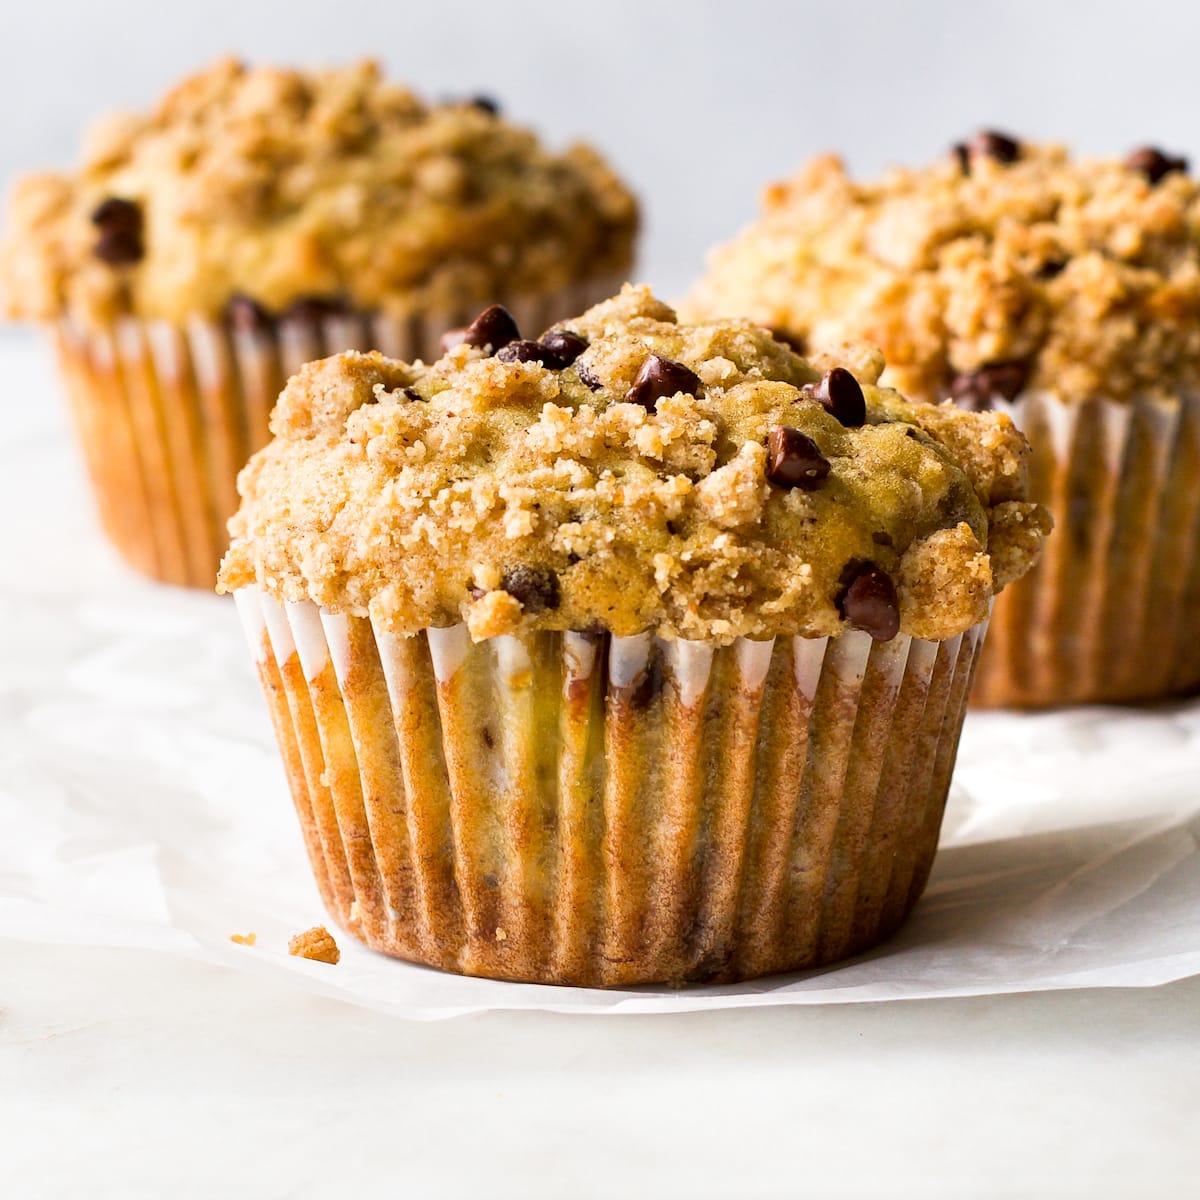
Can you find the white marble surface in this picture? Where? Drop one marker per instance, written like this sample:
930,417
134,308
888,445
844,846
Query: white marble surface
143,1072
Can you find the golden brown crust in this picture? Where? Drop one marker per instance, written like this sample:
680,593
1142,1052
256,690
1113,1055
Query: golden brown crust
511,496
1082,270
280,185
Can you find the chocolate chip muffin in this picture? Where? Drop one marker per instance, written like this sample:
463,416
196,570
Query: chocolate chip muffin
260,218
1065,292
637,652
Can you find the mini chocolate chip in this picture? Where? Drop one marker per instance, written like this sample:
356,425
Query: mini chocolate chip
586,377
648,686
661,377
841,396
868,601
246,315
488,739
794,460
963,155
411,393
485,104
120,224
793,341
116,213
525,351
1052,268
494,327
988,143
535,587
1154,164
978,391
316,308
564,345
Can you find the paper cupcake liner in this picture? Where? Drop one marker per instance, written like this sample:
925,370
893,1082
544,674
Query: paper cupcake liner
1111,614
596,810
168,414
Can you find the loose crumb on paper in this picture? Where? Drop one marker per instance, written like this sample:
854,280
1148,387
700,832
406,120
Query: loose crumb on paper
316,943
244,939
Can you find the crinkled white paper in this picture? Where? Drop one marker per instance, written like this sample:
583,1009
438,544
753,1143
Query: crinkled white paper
142,803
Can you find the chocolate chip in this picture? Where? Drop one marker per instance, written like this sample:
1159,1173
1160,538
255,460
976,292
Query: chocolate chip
537,588
841,396
246,315
316,308
120,225
525,351
793,341
495,327
485,104
564,345
586,377
868,600
987,143
1052,268
978,391
411,393
1154,164
794,460
963,155
648,686
660,377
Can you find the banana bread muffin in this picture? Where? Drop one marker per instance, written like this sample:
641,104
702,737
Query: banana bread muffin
1066,292
259,218
637,652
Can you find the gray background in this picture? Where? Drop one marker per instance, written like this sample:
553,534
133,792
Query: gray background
699,104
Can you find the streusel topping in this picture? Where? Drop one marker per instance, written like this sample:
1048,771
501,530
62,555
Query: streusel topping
277,186
626,472
1006,266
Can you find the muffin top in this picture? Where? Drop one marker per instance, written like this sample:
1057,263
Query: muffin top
1003,267
629,473
335,186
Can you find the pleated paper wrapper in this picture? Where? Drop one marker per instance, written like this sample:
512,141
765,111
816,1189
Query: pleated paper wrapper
608,811
168,414
1111,614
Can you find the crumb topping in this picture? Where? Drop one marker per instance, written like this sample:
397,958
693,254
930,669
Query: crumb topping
275,186
520,495
1005,266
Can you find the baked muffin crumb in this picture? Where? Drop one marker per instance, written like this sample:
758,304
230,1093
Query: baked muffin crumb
317,944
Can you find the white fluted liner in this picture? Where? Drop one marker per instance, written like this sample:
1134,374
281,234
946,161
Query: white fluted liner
1111,613
594,810
167,414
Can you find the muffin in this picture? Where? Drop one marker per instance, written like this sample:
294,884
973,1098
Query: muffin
1066,293
636,653
260,218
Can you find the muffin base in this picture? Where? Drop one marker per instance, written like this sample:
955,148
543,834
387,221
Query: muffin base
168,414
602,811
1111,614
